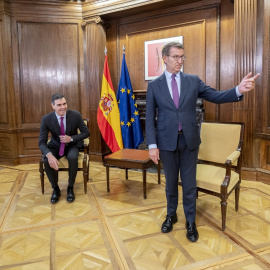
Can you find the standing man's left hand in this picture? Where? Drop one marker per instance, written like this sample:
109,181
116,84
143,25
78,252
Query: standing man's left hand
248,83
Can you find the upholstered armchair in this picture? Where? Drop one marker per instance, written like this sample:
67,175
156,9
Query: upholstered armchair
83,163
219,162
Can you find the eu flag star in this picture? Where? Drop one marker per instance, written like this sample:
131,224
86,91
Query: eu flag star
128,124
123,90
132,120
136,113
128,91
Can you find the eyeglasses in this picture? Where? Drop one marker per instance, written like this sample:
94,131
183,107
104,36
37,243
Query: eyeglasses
178,57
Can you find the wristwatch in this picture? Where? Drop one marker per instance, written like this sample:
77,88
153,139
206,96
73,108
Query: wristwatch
71,139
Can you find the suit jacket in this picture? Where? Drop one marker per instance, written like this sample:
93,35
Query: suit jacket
49,123
163,131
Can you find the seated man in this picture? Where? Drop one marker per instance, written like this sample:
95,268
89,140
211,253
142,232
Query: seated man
65,141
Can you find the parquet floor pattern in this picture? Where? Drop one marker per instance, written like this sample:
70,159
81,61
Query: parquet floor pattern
120,229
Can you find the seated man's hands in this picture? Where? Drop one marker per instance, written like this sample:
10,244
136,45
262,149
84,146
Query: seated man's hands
53,162
65,138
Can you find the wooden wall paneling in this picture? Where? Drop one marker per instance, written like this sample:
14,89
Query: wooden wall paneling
28,146
47,42
190,24
95,40
8,142
3,75
245,52
226,53
265,156
48,63
126,8
46,10
262,91
212,67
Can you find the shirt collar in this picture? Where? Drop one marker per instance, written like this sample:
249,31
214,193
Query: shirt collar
169,75
59,117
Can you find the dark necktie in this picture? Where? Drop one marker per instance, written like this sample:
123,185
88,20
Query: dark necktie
175,94
62,130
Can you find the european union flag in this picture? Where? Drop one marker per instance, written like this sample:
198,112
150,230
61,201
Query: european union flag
129,116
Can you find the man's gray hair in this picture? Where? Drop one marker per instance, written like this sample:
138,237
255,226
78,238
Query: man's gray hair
166,49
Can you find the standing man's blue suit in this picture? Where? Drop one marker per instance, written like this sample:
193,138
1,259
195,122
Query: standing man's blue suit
177,145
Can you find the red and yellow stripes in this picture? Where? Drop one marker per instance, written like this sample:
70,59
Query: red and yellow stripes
108,116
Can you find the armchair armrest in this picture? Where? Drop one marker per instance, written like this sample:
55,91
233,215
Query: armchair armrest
233,157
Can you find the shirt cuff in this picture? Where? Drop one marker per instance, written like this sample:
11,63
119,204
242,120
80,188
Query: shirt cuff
238,94
152,146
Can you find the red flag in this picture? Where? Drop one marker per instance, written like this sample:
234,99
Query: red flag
108,116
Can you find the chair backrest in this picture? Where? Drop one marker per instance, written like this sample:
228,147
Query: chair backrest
219,140
85,141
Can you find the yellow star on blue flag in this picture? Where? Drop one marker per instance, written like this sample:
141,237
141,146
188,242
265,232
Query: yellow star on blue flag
131,132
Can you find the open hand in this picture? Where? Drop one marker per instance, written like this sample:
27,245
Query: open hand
154,155
53,162
248,83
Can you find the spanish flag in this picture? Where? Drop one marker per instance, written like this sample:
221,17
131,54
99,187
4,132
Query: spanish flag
108,116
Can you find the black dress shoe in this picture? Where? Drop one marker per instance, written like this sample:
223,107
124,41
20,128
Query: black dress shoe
167,225
192,233
70,195
55,195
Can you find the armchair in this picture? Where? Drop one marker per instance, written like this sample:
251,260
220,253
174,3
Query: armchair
83,163
219,162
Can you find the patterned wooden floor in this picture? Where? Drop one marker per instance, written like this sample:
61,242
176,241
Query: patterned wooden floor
121,230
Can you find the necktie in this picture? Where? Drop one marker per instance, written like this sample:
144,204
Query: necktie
175,95
62,131
175,92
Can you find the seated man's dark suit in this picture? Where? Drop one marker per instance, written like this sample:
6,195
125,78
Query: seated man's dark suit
49,123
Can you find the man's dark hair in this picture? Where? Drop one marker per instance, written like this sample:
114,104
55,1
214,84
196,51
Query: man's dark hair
56,96
166,49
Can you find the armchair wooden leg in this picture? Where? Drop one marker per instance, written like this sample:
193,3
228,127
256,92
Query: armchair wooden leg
41,172
144,183
126,173
158,167
223,214
108,178
237,192
85,175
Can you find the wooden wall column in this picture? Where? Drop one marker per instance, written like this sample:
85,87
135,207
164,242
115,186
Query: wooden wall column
8,137
245,62
262,112
95,42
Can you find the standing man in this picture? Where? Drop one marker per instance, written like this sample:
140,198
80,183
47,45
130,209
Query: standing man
175,136
65,141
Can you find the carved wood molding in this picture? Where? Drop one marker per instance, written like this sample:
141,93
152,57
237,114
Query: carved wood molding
93,8
4,8
96,20
99,7
46,9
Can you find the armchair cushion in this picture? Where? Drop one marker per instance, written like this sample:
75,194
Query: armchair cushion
211,177
63,162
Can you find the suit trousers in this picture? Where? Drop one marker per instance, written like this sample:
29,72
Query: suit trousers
184,160
71,152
